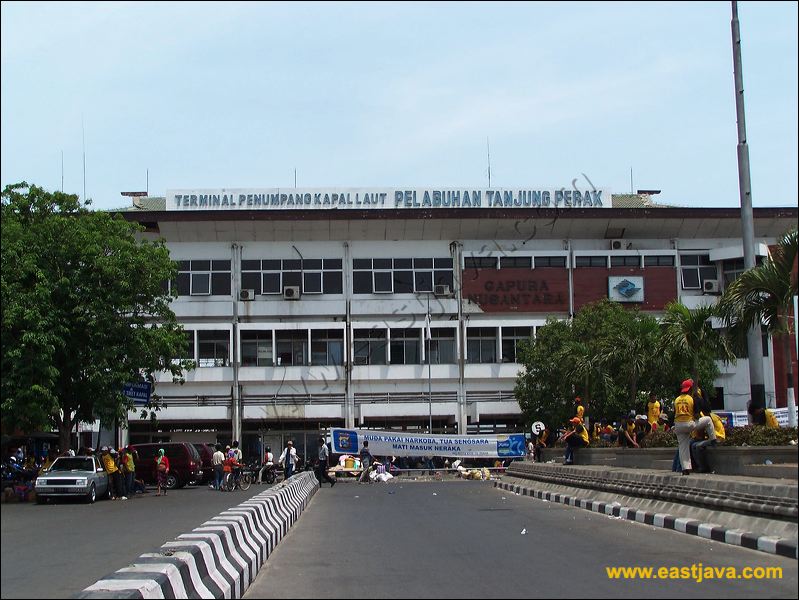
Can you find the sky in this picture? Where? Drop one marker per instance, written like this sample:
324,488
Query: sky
212,95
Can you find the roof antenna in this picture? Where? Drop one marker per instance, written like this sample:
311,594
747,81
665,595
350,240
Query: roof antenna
83,135
295,178
488,148
147,182
62,171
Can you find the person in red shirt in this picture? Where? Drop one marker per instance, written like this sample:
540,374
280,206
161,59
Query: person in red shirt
162,470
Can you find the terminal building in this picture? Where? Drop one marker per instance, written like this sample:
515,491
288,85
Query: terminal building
393,309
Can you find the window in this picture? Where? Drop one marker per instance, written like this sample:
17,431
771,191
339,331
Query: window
625,261
658,261
292,348
312,276
591,261
406,347
442,346
327,347
480,262
203,278
511,336
189,353
369,347
256,349
696,268
550,261
733,269
515,262
214,348
400,275
481,345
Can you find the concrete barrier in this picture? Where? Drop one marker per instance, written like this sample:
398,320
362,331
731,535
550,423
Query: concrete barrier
218,559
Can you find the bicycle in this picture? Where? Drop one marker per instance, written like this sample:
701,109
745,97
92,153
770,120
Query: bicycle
242,480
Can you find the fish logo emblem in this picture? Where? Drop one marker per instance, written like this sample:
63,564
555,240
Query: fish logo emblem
627,288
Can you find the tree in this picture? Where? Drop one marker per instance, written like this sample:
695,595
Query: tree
689,339
633,346
764,294
84,311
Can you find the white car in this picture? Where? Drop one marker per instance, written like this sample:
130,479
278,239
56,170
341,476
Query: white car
71,476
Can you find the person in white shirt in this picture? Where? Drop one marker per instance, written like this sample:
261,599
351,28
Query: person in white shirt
288,459
218,459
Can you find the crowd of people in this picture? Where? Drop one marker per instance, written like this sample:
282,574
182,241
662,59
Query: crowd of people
694,424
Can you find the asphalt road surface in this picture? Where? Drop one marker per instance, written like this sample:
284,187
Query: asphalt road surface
464,540
57,550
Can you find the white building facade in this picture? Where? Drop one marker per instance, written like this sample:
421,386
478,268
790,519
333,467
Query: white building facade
307,309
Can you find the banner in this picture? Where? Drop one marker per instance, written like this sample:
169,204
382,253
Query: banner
389,443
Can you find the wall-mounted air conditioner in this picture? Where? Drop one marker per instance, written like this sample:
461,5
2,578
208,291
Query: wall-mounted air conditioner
247,295
711,286
291,292
441,290
617,244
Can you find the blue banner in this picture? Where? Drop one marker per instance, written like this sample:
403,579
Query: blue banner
389,443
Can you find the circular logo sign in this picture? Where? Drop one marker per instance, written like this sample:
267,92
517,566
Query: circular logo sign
538,428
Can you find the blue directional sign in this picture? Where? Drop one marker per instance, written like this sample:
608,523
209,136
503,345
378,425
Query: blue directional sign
138,392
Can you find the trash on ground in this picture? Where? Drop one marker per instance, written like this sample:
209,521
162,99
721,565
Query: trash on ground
524,531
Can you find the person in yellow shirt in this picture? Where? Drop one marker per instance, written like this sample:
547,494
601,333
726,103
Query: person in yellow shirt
700,443
576,437
771,420
580,408
763,416
114,476
652,409
685,425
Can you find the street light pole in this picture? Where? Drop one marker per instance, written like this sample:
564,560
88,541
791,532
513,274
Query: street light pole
428,333
754,335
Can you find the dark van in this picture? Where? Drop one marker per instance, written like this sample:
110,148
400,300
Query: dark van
184,463
206,462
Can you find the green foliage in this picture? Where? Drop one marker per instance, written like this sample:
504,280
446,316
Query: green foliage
612,357
84,311
660,439
759,435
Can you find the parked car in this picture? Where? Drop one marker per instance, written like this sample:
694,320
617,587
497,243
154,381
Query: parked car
71,476
207,462
184,463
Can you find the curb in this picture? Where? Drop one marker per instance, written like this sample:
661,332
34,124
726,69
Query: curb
735,537
218,559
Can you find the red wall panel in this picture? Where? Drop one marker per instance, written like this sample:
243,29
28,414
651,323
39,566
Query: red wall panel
544,290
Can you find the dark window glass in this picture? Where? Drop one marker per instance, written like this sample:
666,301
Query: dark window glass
403,282
381,263
519,262
424,281
442,263
689,259
189,353
625,261
220,265
550,261
184,265
658,261
590,261
332,263
362,282
444,278
383,281
707,273
442,346
293,278
251,281
480,262
214,348
332,282
361,263
200,284
292,264
220,284
369,346
403,263
256,348
201,265
312,264
271,265
165,286
271,284
312,283
423,263
184,284
250,265
690,279
292,347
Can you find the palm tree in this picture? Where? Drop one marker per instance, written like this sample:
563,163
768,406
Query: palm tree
688,334
764,294
585,365
634,348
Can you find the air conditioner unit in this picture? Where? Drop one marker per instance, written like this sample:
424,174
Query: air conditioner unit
291,292
441,290
617,244
247,295
711,286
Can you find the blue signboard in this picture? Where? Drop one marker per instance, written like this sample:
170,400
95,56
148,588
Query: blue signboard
138,392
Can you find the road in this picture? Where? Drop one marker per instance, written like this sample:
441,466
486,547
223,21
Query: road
464,540
57,550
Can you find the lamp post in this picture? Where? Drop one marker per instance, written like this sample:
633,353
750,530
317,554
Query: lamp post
429,368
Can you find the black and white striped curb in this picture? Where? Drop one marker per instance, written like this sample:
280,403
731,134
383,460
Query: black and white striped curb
736,537
218,559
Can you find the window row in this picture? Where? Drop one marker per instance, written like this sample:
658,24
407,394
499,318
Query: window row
400,275
312,276
325,347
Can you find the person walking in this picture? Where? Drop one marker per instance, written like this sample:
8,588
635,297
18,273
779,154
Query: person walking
323,464
685,425
128,463
218,460
161,470
110,466
288,458
367,459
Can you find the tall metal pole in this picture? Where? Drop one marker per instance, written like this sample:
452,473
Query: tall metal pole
429,367
753,337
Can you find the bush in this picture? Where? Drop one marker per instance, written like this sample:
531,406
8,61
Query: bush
758,435
660,439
